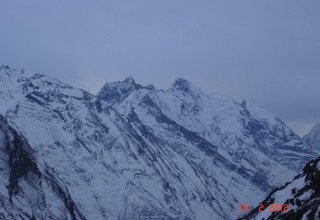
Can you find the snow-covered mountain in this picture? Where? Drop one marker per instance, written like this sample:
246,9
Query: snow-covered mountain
313,137
134,152
302,196
26,191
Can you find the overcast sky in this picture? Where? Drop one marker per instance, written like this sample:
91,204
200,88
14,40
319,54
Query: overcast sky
266,51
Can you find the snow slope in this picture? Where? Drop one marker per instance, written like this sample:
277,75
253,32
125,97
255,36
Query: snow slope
134,152
26,191
313,137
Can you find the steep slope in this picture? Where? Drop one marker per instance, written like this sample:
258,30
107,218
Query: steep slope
110,169
26,191
133,151
255,151
243,131
302,195
313,137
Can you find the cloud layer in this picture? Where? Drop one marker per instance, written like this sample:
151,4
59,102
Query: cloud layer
267,52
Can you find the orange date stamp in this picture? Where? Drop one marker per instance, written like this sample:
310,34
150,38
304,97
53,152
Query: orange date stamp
270,208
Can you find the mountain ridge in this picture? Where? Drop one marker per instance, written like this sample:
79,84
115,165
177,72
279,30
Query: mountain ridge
30,191
138,151
302,196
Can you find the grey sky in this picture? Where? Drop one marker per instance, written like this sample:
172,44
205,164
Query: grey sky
267,51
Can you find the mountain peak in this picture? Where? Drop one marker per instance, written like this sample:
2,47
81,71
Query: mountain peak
182,84
4,67
116,91
129,79
8,71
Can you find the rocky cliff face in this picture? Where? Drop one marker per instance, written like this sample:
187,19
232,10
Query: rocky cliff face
28,192
302,196
135,152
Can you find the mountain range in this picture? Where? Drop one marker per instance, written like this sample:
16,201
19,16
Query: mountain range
136,152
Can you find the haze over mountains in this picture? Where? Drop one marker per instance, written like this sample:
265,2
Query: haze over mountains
313,137
134,151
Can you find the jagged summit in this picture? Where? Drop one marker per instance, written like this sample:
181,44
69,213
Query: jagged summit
244,103
119,90
7,68
182,84
170,153
129,79
4,67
